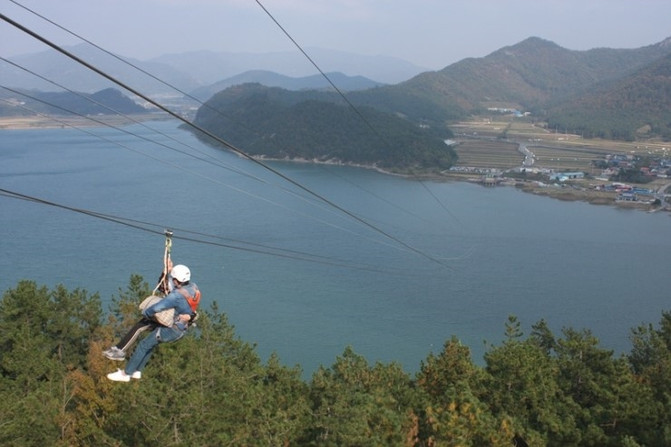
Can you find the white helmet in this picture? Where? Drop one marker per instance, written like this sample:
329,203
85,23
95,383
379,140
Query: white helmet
181,273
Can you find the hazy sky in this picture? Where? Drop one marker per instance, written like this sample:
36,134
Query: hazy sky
429,33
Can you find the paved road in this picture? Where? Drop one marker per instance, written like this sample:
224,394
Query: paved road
529,157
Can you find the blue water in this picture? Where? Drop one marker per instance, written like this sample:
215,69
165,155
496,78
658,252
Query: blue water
478,254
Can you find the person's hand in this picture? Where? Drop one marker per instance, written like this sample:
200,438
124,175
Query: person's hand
184,318
169,265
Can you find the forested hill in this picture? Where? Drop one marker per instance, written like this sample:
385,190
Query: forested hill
320,126
636,106
603,92
531,75
212,389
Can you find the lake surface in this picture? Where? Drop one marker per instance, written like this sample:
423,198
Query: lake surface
432,260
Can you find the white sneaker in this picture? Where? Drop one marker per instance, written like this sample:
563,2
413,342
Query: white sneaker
119,376
136,375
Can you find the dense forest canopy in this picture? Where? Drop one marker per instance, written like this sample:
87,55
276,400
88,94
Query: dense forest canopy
616,94
319,126
601,92
637,106
211,388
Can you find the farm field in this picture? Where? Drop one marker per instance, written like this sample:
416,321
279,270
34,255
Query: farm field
486,143
481,153
493,143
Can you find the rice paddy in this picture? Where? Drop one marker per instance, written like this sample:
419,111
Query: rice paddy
495,143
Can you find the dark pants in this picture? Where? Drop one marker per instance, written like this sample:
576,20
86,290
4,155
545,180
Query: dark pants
132,335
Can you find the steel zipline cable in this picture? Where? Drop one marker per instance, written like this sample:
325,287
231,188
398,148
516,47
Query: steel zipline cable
174,165
206,104
324,75
193,98
344,97
201,238
219,112
185,94
134,66
215,137
209,159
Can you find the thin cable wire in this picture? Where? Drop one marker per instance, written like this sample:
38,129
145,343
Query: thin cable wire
219,112
249,246
343,96
140,69
170,86
216,110
212,160
307,56
179,167
197,100
216,138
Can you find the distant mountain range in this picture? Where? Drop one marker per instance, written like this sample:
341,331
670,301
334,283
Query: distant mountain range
62,71
193,70
603,92
534,75
270,79
209,67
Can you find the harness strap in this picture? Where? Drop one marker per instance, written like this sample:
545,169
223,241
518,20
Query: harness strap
166,260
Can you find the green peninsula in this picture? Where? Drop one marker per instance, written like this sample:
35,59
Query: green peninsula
320,126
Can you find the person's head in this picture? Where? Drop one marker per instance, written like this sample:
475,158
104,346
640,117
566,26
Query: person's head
180,273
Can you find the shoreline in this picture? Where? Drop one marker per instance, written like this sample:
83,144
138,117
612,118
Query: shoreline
560,193
566,192
69,121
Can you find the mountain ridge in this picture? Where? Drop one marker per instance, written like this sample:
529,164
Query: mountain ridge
627,108
272,79
188,71
532,74
210,66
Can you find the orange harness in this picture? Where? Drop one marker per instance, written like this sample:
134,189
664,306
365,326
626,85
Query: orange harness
192,300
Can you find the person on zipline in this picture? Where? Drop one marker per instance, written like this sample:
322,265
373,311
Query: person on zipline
183,298
164,286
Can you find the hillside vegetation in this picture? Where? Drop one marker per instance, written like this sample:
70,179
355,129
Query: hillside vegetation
636,106
317,126
211,388
607,93
540,77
